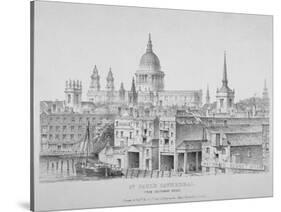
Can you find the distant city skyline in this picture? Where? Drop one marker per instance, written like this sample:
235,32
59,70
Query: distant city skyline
189,44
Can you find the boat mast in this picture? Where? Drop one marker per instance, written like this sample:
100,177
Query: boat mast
88,140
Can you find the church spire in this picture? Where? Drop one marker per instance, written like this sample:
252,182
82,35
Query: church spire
149,44
265,91
109,75
133,88
95,69
225,95
122,86
122,92
224,78
95,79
133,96
207,95
110,81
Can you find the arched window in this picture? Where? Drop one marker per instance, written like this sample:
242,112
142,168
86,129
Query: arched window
54,107
77,99
230,102
68,98
221,102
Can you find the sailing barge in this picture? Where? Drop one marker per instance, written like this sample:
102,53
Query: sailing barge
89,166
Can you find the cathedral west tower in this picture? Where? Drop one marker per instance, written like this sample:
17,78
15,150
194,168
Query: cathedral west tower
95,80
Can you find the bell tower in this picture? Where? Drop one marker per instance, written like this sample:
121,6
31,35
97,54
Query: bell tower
73,94
95,80
110,87
110,81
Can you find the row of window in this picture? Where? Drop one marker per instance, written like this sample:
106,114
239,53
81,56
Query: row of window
223,152
72,119
63,136
166,141
149,125
121,133
176,97
207,150
229,103
138,124
63,128
166,134
166,124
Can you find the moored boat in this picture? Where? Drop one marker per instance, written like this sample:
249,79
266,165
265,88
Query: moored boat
89,167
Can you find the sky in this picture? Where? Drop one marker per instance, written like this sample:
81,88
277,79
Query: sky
71,38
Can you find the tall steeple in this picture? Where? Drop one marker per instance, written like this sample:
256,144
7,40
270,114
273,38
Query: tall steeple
110,81
225,95
133,87
224,78
149,44
110,75
122,92
122,87
265,92
207,95
133,96
95,79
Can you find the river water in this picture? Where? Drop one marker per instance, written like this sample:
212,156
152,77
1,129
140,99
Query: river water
55,169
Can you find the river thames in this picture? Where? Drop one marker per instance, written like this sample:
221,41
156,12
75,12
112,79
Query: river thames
55,169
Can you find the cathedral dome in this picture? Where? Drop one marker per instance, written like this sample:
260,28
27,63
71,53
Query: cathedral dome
149,60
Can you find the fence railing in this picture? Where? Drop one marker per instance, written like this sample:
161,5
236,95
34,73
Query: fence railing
139,173
244,166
